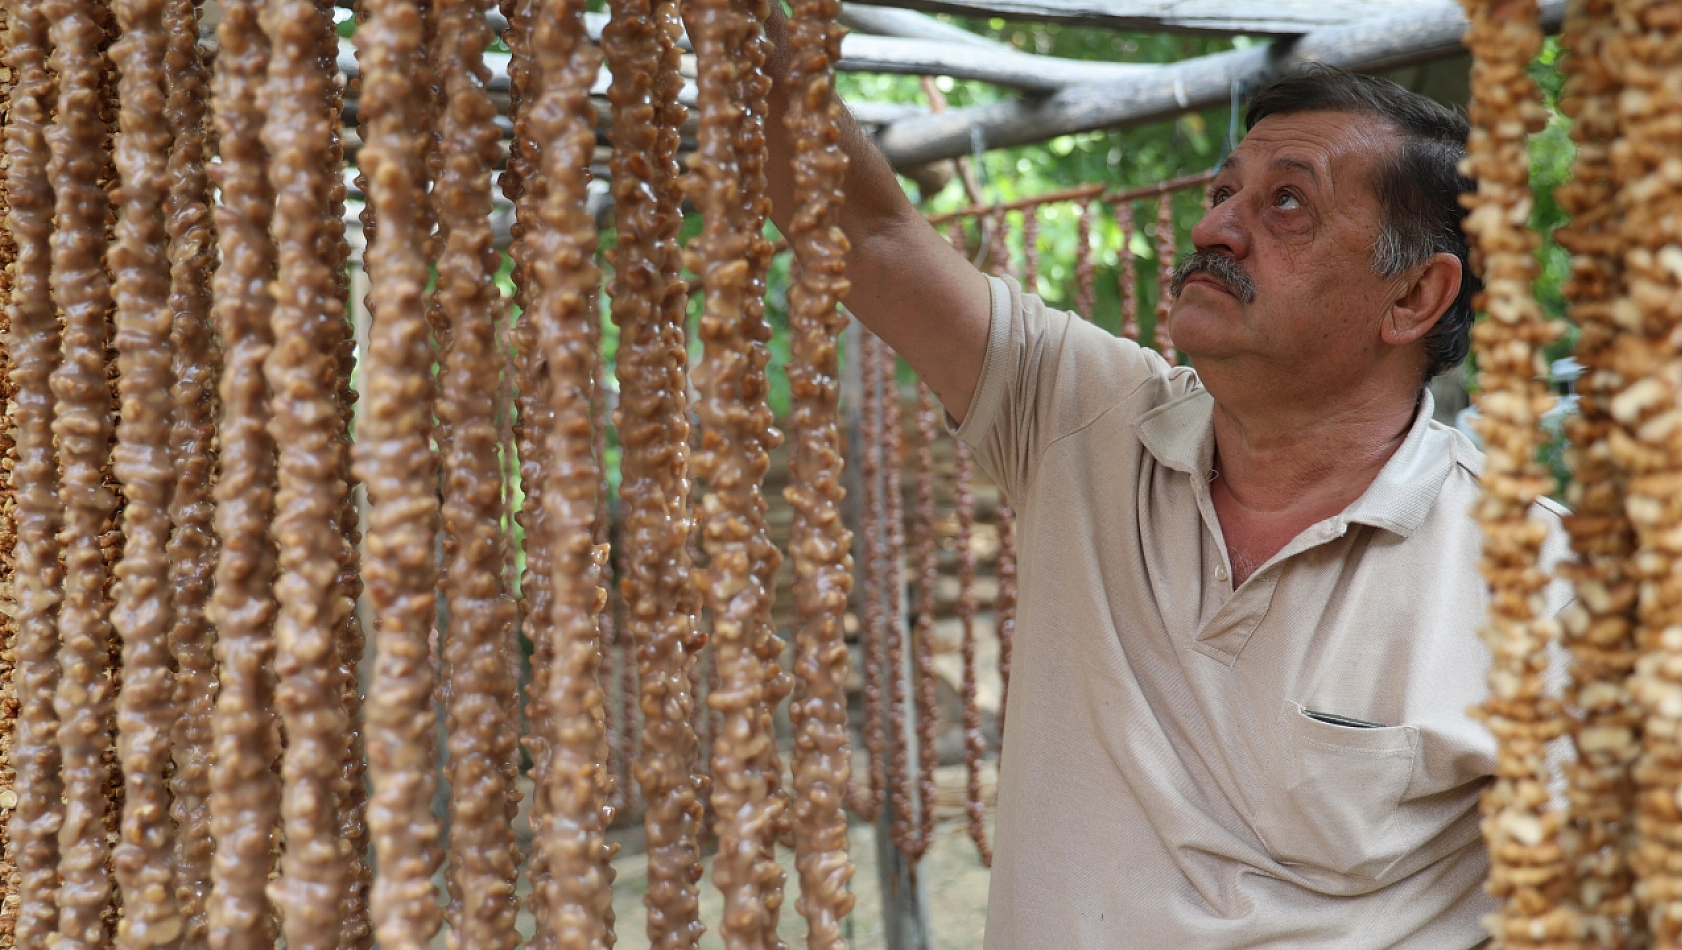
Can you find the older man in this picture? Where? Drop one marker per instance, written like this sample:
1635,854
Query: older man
1249,588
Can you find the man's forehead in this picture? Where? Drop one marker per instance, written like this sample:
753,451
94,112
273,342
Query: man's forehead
1320,144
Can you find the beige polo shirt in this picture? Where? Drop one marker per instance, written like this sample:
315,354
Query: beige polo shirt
1162,784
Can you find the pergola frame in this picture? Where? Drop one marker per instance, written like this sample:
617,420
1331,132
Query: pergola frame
1058,96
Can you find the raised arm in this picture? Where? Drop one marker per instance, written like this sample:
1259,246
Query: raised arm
908,284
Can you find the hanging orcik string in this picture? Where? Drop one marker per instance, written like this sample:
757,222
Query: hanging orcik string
1004,519
865,794
1528,867
925,568
238,784
1166,251
1127,272
820,542
653,420
1085,271
1599,626
963,503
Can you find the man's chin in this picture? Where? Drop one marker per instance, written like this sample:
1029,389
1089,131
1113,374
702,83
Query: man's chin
1201,330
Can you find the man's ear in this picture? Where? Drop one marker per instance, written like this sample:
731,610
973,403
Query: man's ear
1424,297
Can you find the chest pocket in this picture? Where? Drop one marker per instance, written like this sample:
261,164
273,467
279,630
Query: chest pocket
1333,795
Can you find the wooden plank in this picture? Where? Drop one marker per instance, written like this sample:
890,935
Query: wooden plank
1206,82
1252,17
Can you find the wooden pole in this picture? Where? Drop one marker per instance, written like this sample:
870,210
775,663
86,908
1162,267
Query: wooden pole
1079,193
1205,82
905,899
1247,17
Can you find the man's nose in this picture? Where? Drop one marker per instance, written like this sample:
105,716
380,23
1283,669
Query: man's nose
1222,230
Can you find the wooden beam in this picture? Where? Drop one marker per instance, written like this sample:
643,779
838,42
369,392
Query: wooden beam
1003,66
1206,82
1251,17
911,25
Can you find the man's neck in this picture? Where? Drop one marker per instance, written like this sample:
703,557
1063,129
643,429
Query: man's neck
1273,461
1280,471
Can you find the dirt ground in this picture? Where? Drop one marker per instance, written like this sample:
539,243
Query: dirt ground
953,877
952,873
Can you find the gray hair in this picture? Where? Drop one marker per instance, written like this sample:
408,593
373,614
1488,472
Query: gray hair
1418,185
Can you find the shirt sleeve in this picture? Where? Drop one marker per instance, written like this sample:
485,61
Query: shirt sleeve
1047,373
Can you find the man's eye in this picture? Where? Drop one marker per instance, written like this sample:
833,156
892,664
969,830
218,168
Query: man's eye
1218,195
1287,201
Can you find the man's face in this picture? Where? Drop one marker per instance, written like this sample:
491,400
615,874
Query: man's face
1293,211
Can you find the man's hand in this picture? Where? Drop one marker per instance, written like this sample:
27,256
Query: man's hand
908,284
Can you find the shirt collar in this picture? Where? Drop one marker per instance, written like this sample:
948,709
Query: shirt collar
1180,434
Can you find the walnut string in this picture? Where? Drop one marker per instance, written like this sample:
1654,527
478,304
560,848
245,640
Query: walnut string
1004,603
483,855
956,236
628,736
1646,49
898,750
622,734
111,538
508,473
439,57
708,723
975,741
356,929
1528,870
427,117
653,422
995,237
144,465
33,350
618,685
1165,254
192,546
963,503
670,115
9,678
820,543
1599,624
922,673
10,684
1127,272
866,801
244,790
522,185
395,459
753,96
1085,272
431,117
736,432
576,899
618,744
366,217
301,371
1031,251
1004,518
83,425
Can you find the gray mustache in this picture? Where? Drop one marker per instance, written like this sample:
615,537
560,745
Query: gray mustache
1222,268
